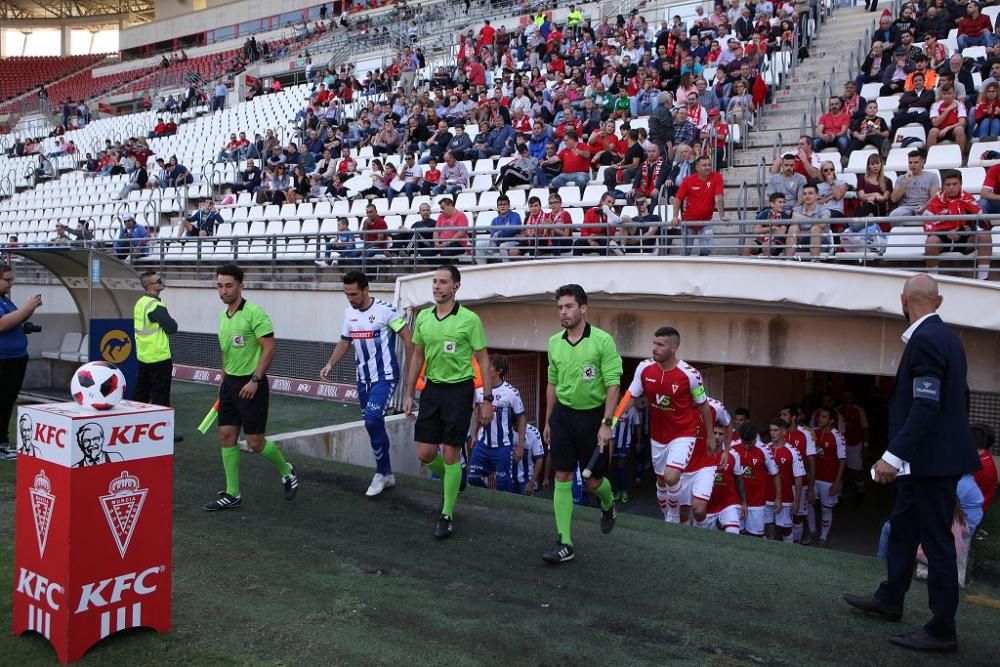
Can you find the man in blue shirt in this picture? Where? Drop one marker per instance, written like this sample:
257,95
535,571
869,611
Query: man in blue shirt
13,354
504,231
203,221
133,239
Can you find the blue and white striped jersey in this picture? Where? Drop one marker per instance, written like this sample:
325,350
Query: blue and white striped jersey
507,407
624,432
373,332
533,451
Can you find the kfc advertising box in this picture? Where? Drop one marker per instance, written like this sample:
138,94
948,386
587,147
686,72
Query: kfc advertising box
93,522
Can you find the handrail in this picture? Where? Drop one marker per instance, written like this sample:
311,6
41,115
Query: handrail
908,248
761,179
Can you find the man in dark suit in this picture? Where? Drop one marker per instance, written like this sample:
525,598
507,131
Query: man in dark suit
930,448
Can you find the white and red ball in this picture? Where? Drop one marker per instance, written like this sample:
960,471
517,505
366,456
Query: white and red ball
98,385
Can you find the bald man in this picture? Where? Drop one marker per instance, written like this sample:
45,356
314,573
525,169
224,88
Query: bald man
930,448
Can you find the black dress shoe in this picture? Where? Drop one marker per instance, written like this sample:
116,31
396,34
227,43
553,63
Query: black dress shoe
921,641
872,605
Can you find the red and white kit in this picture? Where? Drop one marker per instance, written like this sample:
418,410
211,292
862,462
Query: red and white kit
673,417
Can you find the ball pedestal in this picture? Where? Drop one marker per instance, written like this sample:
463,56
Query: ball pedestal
92,551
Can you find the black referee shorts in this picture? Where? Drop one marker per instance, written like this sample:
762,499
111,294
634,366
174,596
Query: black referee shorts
574,437
445,413
250,415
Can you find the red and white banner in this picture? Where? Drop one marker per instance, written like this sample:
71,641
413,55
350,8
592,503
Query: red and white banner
92,551
279,385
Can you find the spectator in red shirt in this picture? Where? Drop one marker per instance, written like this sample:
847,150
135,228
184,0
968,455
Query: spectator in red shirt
699,195
986,477
595,240
451,233
832,130
575,164
962,236
376,240
974,29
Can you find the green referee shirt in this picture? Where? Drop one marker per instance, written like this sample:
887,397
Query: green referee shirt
582,372
449,343
239,337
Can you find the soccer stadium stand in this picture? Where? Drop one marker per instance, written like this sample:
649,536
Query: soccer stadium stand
25,74
671,75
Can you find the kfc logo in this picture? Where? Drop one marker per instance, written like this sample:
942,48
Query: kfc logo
38,588
110,591
132,434
42,505
90,441
43,433
121,508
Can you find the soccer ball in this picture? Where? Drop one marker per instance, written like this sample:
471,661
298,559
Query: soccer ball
98,385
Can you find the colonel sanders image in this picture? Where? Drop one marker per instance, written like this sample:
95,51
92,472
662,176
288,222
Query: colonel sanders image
25,428
90,440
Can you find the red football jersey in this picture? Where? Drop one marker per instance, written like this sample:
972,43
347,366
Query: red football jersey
699,457
724,489
672,397
758,471
802,439
789,467
830,450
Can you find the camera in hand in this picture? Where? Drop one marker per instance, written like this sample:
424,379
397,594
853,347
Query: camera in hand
30,328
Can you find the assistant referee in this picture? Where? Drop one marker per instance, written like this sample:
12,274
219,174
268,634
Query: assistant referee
584,381
446,336
246,336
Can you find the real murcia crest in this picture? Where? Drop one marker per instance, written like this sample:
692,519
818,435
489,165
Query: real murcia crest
121,508
42,505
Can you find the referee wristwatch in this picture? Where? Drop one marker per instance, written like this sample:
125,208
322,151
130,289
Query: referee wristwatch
606,421
255,378
488,397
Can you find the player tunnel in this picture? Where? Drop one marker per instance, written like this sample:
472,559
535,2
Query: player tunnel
95,324
764,334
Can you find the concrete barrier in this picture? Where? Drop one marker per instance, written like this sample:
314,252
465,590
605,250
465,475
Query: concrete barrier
349,443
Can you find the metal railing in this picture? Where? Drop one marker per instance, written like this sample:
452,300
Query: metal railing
387,254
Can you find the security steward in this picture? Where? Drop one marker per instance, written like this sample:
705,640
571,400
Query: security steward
153,328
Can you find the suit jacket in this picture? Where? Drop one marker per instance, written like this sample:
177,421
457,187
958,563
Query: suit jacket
929,409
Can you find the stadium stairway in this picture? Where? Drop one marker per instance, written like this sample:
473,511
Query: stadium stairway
829,57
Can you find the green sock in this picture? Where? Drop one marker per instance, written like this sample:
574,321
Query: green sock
562,501
604,493
231,463
452,480
274,455
437,465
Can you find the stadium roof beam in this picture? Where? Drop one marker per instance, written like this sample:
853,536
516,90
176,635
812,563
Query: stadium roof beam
104,11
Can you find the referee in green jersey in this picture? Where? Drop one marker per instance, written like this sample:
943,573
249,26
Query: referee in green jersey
446,336
584,381
246,336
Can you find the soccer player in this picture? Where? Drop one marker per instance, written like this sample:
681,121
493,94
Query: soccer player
584,381
673,388
831,455
372,326
792,474
727,504
626,433
446,336
855,422
759,475
246,336
801,438
700,476
499,445
528,471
